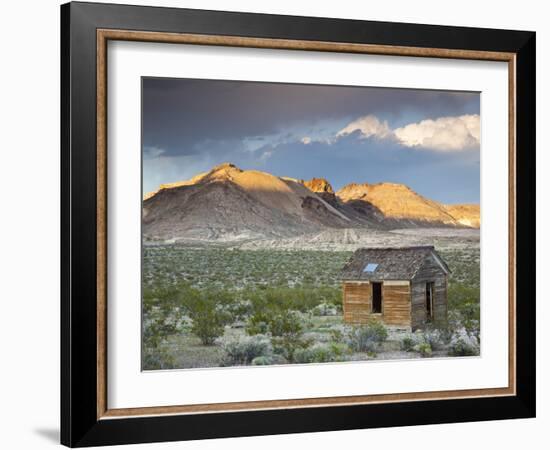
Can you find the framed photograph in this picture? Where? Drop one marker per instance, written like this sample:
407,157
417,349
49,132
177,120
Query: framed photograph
276,224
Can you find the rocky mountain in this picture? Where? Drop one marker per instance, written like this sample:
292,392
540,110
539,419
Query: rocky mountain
396,204
193,180
362,215
319,185
323,189
229,204
466,214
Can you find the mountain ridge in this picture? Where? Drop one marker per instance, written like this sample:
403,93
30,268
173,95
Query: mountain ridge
228,203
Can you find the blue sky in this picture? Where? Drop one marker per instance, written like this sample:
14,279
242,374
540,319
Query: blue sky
426,139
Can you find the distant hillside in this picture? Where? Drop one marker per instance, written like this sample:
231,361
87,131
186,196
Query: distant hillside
466,214
398,204
228,203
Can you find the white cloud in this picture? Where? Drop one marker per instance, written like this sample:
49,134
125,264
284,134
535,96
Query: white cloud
367,126
305,140
441,134
444,133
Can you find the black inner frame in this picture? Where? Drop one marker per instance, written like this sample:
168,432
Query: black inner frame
79,423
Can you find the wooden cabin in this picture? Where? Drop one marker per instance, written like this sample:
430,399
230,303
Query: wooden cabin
403,287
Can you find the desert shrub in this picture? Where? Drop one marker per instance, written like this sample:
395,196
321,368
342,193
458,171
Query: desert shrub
321,353
460,294
367,338
278,322
424,348
446,332
210,314
287,345
470,320
464,345
162,317
330,296
464,307
268,360
287,323
162,314
258,323
284,325
432,337
301,298
243,350
473,329
157,358
408,343
338,334
262,361
208,324
324,309
240,309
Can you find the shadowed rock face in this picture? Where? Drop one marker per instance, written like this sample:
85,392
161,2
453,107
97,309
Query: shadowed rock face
324,190
228,203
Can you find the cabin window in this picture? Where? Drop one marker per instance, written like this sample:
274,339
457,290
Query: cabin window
430,301
376,297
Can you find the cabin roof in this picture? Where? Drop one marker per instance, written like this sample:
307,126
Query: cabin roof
390,263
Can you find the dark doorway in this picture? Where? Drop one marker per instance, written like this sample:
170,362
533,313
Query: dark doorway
429,301
376,297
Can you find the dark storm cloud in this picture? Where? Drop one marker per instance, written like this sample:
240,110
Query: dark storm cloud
180,115
290,130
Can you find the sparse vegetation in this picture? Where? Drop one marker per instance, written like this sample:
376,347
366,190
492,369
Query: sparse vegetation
160,320
407,344
464,345
225,268
432,337
368,338
424,348
325,309
214,306
209,312
243,350
321,353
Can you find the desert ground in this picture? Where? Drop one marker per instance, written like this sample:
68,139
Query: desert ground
279,301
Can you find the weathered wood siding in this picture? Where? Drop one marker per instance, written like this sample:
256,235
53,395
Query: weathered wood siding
357,302
430,271
396,303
